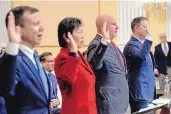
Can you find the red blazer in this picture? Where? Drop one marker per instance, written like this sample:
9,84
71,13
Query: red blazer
78,74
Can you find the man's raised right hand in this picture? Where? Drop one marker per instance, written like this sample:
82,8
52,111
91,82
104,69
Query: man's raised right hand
13,30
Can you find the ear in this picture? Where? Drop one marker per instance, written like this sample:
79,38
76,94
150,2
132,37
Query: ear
136,28
66,38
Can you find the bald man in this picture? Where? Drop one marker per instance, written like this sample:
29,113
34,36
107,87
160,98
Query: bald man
163,59
108,63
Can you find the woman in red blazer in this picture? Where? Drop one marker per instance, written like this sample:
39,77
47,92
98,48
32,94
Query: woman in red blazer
75,77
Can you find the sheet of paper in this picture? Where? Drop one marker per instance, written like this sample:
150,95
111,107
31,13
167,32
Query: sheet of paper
157,84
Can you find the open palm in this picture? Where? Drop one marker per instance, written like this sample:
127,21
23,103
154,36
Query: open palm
13,30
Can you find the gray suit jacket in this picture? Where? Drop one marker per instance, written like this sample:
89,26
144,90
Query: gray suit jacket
112,94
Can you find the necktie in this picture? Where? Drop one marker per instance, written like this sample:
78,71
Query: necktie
165,50
51,84
42,74
120,57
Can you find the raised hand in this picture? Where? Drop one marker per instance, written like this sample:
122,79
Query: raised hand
105,33
73,45
148,31
13,30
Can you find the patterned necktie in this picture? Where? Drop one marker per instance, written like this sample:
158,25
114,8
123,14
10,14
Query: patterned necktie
165,49
42,74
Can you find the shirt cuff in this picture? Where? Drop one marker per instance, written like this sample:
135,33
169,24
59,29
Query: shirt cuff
149,38
105,43
12,49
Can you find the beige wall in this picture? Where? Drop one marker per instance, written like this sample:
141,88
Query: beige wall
158,23
53,11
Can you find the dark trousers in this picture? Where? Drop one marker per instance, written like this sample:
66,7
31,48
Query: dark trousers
136,105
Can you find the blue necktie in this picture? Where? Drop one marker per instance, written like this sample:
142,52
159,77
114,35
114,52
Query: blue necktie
53,90
51,84
42,74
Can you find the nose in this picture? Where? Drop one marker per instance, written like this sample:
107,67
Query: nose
117,27
41,28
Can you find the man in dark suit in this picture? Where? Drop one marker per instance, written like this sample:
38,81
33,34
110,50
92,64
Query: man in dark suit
108,63
140,75
162,56
24,83
2,101
47,61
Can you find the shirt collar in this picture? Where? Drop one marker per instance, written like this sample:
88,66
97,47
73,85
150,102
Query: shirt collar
26,50
142,41
164,43
99,34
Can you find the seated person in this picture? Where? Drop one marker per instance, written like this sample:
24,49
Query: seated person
47,61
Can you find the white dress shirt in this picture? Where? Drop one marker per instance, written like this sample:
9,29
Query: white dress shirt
13,49
162,46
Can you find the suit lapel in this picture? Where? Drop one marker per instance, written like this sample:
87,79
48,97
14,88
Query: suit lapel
85,64
160,48
124,60
115,54
32,68
169,48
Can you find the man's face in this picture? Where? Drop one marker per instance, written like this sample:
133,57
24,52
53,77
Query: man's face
163,38
48,64
112,27
142,28
78,36
32,30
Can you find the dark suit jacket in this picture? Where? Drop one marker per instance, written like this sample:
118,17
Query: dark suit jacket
2,101
140,69
112,96
154,67
161,60
2,106
54,90
22,85
153,60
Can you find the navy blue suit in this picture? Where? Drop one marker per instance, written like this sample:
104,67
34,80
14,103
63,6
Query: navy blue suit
2,101
54,90
23,89
140,75
2,106
162,61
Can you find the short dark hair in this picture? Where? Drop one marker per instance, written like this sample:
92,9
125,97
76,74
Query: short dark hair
43,56
136,21
18,14
67,25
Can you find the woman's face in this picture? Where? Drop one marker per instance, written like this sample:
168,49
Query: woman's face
78,36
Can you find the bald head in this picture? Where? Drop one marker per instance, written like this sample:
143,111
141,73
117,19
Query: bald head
102,18
162,35
163,38
112,26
